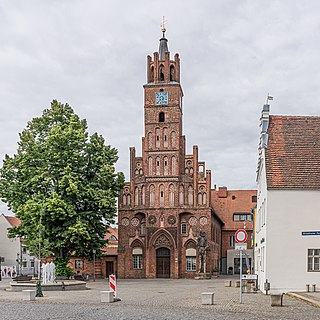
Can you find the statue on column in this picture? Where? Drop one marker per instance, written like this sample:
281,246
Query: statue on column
202,244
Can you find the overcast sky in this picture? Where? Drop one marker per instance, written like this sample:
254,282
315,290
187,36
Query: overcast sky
92,54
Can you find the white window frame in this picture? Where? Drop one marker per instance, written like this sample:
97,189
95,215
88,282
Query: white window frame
137,261
313,262
191,263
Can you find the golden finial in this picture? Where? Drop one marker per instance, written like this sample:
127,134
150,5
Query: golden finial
163,25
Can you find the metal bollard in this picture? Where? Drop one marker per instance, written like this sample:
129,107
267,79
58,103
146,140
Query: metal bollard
314,289
308,287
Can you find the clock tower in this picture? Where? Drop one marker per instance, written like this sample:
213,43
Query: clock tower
166,204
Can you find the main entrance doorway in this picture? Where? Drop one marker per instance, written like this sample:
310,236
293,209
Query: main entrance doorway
109,268
163,263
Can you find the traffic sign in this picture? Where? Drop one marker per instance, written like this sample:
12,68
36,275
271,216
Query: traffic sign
240,246
241,235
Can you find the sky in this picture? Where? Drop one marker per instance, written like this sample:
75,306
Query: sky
92,55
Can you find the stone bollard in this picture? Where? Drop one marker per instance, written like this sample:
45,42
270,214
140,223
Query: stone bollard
107,296
314,289
237,283
207,297
29,295
227,283
307,287
276,300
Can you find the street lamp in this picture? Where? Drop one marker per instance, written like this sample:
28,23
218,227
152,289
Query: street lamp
94,264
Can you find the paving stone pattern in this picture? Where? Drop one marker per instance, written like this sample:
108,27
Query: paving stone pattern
153,299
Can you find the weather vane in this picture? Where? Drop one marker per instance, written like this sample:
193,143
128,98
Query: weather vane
163,25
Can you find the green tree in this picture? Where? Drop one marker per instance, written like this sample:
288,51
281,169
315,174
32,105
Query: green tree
62,185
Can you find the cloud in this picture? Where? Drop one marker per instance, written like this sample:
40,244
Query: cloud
92,54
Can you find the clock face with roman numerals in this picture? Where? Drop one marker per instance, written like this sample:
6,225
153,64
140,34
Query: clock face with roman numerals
161,98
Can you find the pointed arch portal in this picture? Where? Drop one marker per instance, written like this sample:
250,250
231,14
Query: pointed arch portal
163,262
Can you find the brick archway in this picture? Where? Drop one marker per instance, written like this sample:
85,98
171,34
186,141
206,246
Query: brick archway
160,265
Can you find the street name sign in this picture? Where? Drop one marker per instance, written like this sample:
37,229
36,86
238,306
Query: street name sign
249,276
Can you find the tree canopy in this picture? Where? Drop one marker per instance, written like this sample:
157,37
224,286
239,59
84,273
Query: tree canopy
61,184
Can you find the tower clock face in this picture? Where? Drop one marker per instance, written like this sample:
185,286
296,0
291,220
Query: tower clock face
161,98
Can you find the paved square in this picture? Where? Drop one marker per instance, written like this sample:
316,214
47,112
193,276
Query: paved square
153,299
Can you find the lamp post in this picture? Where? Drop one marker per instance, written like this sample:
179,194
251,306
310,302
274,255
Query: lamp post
94,264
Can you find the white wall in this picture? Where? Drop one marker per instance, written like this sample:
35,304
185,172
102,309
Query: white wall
290,213
261,225
8,247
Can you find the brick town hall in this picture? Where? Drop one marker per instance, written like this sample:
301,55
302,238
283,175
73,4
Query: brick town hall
169,200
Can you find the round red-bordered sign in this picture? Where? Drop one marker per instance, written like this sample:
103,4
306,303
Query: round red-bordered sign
241,235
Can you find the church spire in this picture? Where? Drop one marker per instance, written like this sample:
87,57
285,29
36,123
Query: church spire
163,46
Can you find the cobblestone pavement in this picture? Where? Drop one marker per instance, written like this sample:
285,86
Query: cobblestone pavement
153,299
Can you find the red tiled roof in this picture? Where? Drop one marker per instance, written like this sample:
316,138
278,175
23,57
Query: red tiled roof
14,222
111,249
111,232
293,152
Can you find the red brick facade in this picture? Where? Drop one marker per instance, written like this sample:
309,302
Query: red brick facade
104,266
234,209
167,201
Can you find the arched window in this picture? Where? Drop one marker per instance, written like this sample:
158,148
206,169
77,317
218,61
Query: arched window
161,73
150,166
171,195
172,73
161,117
165,166
150,140
204,198
181,196
161,195
191,259
151,192
128,199
143,191
173,139
137,257
152,74
157,137
124,201
136,196
173,166
165,137
190,196
143,227
158,166
200,199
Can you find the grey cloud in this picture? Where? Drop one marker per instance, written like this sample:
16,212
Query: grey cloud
92,54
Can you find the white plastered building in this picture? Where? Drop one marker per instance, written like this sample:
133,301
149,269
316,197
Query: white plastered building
287,221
